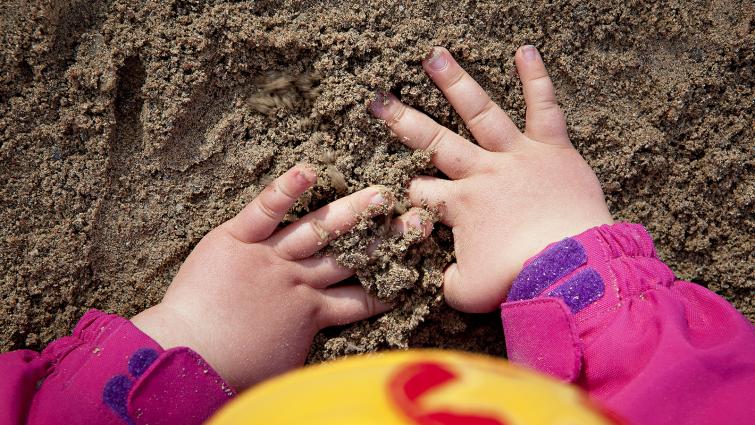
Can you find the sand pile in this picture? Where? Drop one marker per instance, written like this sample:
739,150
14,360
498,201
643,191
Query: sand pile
128,129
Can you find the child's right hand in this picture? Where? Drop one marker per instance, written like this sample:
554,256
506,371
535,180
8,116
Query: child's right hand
250,297
510,196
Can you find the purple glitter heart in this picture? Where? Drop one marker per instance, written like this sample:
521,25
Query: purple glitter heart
141,360
552,265
115,396
580,290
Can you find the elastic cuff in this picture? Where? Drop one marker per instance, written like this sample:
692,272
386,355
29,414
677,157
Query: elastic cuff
96,330
600,265
563,291
124,377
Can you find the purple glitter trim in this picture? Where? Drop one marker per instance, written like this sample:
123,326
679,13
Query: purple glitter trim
115,396
141,360
553,264
580,290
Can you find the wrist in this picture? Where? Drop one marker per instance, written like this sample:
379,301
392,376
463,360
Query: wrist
164,325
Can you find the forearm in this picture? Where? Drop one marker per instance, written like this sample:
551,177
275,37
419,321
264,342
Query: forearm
602,311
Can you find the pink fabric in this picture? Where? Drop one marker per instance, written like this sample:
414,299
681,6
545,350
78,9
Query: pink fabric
541,335
192,399
654,349
20,370
70,382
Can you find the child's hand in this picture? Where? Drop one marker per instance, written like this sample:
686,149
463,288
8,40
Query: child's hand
510,196
250,298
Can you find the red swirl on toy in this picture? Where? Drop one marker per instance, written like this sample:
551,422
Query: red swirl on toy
412,381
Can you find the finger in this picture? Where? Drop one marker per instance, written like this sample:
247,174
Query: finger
453,291
321,272
313,231
492,127
258,220
545,120
464,293
452,154
415,223
348,304
426,191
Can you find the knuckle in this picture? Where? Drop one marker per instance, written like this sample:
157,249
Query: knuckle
279,253
264,207
398,115
455,78
351,201
439,134
540,79
321,233
281,187
481,115
549,105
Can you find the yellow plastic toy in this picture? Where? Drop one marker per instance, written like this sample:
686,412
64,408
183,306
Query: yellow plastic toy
426,387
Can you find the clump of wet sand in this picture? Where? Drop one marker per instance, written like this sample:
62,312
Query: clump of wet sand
129,129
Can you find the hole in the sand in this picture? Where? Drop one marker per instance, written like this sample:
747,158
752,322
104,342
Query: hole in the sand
25,72
128,107
198,197
128,98
396,90
186,7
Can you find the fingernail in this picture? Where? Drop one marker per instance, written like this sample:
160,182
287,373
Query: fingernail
306,174
436,60
380,103
415,221
377,199
529,52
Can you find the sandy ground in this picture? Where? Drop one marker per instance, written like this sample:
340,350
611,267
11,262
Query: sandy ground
128,129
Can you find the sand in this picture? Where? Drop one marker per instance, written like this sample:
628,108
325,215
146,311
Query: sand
128,129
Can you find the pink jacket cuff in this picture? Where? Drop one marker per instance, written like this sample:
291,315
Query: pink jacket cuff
600,309
117,375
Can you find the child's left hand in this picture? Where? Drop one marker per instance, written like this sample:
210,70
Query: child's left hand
250,297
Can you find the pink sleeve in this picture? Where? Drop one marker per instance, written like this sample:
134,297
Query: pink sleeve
602,311
108,372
